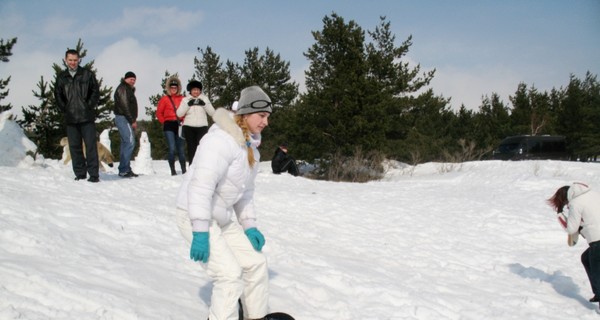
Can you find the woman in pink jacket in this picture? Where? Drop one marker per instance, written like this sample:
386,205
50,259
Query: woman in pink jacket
166,113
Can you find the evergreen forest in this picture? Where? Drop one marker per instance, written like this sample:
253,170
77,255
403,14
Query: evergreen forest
362,100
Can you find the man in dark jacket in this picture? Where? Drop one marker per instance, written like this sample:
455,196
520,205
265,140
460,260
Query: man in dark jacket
77,93
126,111
282,162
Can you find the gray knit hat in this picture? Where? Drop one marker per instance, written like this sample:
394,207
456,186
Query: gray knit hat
254,99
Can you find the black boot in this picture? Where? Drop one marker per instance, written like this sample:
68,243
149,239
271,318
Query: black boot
172,166
182,163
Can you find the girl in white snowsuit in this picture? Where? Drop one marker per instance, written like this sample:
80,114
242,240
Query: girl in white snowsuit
583,218
219,183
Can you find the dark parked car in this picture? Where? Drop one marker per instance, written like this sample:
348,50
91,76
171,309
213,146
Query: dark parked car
532,147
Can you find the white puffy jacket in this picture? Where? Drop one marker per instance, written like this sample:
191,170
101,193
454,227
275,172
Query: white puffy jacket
220,181
584,211
195,116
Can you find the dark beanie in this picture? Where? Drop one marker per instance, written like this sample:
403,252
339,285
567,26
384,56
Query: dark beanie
194,84
129,74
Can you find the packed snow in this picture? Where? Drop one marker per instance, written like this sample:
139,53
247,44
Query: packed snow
474,240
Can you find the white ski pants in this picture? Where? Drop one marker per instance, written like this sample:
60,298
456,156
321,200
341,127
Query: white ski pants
238,271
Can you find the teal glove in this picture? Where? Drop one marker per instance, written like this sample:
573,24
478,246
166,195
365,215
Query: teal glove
256,238
200,248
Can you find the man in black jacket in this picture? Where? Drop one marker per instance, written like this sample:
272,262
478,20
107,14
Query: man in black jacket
77,94
282,162
126,112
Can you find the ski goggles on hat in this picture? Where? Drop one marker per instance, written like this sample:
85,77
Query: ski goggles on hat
257,104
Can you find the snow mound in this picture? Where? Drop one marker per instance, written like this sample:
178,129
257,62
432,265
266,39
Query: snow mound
14,145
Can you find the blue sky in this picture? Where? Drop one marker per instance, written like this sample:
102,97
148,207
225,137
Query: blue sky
476,47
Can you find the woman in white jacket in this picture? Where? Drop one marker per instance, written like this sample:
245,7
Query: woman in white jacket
218,184
583,218
194,109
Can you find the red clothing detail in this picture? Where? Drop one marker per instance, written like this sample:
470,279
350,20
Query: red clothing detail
165,110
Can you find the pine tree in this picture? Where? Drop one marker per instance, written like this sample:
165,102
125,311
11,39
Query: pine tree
571,116
386,68
397,84
530,113
590,138
555,97
223,83
336,83
492,122
360,93
233,78
44,123
462,127
271,73
5,53
579,116
209,71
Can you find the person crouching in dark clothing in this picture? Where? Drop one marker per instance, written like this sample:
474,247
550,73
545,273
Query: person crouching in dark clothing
282,162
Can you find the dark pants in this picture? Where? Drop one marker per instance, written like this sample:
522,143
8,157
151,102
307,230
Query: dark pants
85,132
289,166
591,262
192,139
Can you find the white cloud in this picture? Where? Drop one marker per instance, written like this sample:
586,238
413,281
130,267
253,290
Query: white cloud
146,21
25,70
59,27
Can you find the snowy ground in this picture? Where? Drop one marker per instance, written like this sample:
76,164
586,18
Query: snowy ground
437,241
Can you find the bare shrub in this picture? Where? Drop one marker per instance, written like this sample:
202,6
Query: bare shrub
468,152
453,161
358,168
415,159
446,167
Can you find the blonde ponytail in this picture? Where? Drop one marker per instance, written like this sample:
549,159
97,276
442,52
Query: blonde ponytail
239,119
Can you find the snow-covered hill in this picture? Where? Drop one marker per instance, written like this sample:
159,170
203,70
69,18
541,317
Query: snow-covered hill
437,241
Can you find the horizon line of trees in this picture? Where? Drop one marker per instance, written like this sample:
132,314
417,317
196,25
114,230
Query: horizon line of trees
361,97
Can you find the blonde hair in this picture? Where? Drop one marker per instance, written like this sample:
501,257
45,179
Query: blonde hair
240,120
